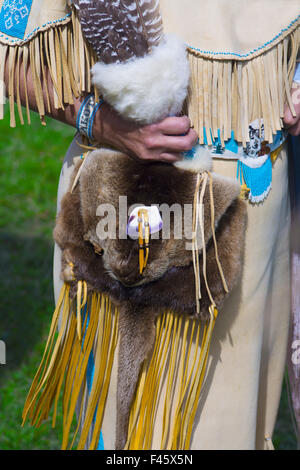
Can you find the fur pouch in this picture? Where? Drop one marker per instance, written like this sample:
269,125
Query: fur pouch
193,262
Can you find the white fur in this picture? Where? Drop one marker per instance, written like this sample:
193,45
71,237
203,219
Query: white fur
146,89
202,160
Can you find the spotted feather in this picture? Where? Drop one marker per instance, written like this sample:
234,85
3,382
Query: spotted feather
119,30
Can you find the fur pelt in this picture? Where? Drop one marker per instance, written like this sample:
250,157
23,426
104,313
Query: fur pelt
168,280
146,89
200,161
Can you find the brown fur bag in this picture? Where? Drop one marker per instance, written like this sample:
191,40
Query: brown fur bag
178,287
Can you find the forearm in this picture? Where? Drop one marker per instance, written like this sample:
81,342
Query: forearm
67,114
163,141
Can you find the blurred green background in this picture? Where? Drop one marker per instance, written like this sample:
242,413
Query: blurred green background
30,162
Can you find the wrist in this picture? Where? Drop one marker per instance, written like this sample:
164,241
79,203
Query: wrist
107,126
86,116
100,124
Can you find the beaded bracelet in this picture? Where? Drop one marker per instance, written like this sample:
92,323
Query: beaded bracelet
86,115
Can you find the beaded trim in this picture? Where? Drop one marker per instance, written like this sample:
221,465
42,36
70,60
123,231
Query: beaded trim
86,115
248,54
36,30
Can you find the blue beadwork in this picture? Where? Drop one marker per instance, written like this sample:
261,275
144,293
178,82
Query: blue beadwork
91,120
14,17
86,115
258,180
90,376
189,155
29,35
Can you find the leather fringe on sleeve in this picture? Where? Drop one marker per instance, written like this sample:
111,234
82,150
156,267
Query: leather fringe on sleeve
61,49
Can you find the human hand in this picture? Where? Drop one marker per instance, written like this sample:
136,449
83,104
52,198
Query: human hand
164,141
292,123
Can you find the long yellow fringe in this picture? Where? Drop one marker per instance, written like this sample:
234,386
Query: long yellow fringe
176,363
227,95
174,376
64,364
171,371
174,371
67,56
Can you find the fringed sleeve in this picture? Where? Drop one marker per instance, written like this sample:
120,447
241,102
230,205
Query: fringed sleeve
49,38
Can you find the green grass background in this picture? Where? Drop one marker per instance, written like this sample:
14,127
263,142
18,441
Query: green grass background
30,162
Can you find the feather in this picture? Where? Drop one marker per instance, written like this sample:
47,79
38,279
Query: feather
119,30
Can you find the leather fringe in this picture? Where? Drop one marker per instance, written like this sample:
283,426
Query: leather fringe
89,324
175,371
67,56
227,95
224,95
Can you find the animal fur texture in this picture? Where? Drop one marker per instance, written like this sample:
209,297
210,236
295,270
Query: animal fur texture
146,89
201,160
168,280
141,73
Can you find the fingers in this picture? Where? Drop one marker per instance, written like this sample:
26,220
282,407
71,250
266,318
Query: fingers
174,125
290,121
164,141
167,140
181,143
173,143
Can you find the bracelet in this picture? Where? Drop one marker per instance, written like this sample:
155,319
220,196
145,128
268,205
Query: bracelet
86,115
